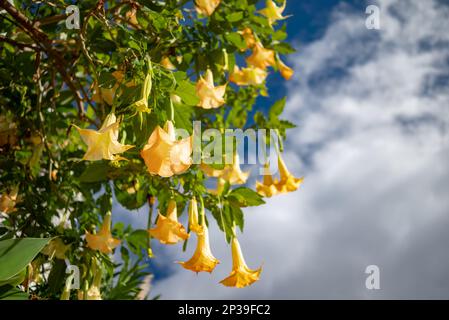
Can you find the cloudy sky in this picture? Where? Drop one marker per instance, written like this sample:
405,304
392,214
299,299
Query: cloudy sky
372,108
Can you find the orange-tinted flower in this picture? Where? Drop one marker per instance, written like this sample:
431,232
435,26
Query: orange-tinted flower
273,12
261,58
206,7
56,248
268,187
202,259
168,230
166,63
103,240
249,38
248,76
193,217
285,71
9,200
210,96
234,173
103,144
164,155
131,16
287,181
241,276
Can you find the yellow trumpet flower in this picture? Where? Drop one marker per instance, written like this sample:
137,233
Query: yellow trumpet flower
193,217
241,276
268,187
287,182
141,105
202,259
168,230
273,12
166,63
103,144
56,248
9,200
286,72
206,7
248,36
210,96
248,76
234,173
261,58
103,240
164,155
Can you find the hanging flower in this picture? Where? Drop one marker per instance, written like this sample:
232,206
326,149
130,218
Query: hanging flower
206,7
166,63
164,155
103,240
268,187
287,182
249,38
193,217
210,96
168,230
248,76
241,276
261,58
9,200
233,174
202,259
103,144
141,105
286,72
108,94
273,12
56,248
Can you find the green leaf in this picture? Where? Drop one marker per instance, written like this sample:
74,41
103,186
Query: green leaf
183,117
236,39
284,48
187,91
16,254
95,172
245,197
138,241
9,292
234,17
276,109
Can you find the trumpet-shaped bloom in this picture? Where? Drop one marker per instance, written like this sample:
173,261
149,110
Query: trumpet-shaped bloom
210,96
108,94
193,217
202,259
166,63
233,173
103,240
273,12
261,58
141,105
164,155
241,276
206,7
248,76
268,186
9,200
287,182
56,248
168,230
286,71
131,16
249,38
103,144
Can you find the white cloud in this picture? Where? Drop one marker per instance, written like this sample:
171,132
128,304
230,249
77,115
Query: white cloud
373,144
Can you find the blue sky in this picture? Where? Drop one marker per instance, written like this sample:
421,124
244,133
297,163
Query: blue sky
373,145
